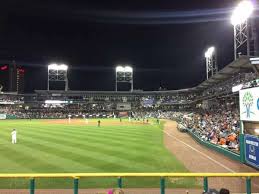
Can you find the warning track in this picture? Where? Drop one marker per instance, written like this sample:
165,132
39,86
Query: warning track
198,158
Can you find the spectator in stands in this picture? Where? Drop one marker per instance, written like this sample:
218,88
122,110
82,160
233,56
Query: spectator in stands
224,191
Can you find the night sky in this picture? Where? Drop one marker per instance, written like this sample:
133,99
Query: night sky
164,41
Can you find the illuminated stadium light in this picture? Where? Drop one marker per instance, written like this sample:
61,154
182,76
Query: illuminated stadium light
242,12
211,62
58,72
55,102
55,66
254,61
124,74
244,35
128,69
120,69
209,52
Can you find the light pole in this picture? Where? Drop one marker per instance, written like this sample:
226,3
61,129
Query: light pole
211,62
124,74
58,72
239,20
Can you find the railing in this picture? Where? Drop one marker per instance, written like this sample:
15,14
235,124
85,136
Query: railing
120,176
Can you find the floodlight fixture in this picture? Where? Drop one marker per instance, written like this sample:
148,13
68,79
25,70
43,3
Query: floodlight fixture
128,69
211,62
52,66
209,52
242,12
119,69
63,67
58,72
124,74
55,66
245,41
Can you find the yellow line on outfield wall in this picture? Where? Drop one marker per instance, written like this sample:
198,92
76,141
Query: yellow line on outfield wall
85,175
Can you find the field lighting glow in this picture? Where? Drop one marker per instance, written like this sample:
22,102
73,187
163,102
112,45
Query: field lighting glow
56,102
119,69
242,12
209,52
128,69
55,66
124,69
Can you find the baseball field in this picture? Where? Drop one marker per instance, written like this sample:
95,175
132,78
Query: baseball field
55,146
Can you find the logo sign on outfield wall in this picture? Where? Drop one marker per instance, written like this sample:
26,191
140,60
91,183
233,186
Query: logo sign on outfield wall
252,150
2,116
123,106
249,104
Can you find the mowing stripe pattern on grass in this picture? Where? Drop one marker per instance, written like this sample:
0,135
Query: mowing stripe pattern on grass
43,147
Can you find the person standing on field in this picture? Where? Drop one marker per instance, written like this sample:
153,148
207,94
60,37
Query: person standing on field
99,123
14,136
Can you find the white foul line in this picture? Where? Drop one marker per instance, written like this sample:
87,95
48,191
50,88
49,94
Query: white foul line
215,161
218,163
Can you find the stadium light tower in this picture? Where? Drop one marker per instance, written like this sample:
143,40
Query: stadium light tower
242,28
124,74
58,72
211,62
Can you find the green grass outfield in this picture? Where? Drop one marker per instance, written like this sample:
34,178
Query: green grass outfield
44,147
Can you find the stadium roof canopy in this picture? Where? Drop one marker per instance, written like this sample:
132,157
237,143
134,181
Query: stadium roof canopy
242,64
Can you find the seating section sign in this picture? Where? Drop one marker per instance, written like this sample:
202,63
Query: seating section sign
252,150
249,104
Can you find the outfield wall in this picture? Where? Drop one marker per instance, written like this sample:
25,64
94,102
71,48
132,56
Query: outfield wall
239,157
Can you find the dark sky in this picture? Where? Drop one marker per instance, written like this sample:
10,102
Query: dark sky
164,41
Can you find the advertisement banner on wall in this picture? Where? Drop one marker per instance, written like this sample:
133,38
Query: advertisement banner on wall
123,106
252,150
249,104
2,116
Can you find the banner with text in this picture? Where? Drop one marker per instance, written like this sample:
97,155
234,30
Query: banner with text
252,150
123,106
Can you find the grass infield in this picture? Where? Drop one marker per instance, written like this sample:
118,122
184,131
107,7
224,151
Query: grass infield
53,146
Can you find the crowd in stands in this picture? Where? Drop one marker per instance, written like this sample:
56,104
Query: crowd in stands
11,99
219,124
226,86
56,113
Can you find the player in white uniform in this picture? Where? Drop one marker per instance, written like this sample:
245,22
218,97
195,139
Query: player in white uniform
14,136
69,118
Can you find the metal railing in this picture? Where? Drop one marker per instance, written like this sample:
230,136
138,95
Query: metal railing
120,176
